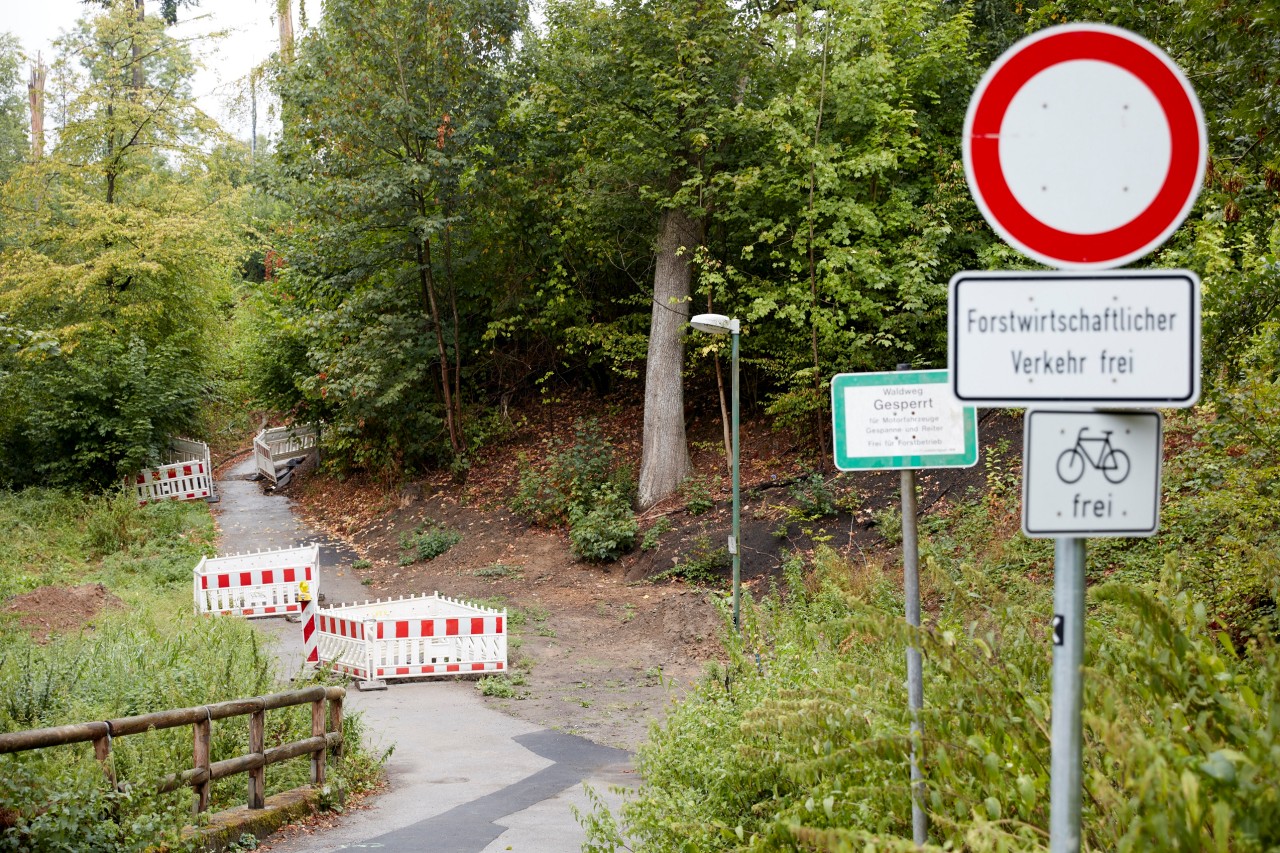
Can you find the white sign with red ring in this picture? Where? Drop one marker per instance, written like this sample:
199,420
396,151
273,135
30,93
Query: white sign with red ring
1084,146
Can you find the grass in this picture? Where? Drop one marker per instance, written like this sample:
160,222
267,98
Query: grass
152,654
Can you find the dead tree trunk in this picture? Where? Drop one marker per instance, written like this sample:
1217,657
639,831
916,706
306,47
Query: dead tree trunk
35,94
664,462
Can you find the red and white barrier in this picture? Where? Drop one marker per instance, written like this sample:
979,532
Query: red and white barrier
278,444
429,635
310,638
266,583
185,475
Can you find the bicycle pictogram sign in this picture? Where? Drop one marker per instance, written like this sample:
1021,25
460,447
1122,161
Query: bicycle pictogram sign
1096,453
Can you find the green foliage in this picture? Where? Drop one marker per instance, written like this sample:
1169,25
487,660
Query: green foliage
703,564
427,541
813,497
697,496
571,479
384,250
655,533
809,749
13,107
152,654
116,248
605,528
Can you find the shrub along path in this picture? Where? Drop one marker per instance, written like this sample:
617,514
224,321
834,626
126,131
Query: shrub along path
462,776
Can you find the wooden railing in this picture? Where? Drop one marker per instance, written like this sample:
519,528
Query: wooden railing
203,773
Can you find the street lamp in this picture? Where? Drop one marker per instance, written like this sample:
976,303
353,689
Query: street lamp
718,324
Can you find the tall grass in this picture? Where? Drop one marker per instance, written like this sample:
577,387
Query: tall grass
152,654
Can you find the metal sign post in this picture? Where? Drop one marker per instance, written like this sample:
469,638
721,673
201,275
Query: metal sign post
904,421
915,671
1065,781
1084,147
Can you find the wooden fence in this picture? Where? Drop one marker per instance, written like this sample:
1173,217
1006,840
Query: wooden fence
203,773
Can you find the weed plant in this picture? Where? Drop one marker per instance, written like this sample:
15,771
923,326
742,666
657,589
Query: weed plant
654,534
696,492
427,541
703,564
813,498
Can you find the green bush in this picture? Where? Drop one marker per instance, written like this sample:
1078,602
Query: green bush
428,541
813,498
569,479
654,533
604,529
697,496
808,748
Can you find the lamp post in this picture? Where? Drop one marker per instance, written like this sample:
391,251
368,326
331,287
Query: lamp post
718,324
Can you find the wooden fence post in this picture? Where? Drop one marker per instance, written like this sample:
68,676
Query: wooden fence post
102,752
335,721
202,736
257,743
317,730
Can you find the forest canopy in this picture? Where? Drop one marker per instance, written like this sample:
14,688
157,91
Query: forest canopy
464,207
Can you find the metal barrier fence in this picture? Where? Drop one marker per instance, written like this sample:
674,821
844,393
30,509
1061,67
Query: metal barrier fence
429,635
263,583
203,772
186,474
279,444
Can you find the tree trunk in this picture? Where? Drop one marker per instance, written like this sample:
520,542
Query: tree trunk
284,17
664,462
427,285
138,78
35,94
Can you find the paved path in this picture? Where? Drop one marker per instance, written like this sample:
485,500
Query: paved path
463,777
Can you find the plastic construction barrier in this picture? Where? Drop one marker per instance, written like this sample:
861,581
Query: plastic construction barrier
265,583
428,635
185,475
279,444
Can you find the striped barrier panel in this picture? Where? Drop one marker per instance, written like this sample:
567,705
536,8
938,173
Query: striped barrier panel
275,445
265,583
185,475
419,636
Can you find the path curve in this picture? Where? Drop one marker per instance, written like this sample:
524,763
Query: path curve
463,778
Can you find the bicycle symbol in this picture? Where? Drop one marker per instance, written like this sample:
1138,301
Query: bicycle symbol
1113,463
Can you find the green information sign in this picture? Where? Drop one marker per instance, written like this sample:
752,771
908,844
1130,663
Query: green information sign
903,419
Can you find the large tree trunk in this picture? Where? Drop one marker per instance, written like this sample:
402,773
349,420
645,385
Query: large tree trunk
664,463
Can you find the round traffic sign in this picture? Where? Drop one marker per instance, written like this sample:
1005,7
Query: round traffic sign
1084,146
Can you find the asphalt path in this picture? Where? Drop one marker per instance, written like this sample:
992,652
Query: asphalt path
462,777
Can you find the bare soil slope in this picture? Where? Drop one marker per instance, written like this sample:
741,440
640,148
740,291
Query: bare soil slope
604,648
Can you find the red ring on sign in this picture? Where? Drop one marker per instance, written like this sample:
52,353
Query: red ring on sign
1185,155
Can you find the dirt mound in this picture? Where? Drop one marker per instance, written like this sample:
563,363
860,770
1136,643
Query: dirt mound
53,610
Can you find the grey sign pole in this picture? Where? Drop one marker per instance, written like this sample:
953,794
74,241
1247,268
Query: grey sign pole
915,675
1068,656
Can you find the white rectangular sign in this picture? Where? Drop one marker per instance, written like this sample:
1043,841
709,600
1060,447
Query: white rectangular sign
1111,338
904,419
1091,473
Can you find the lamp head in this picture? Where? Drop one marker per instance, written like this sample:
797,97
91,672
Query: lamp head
715,324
